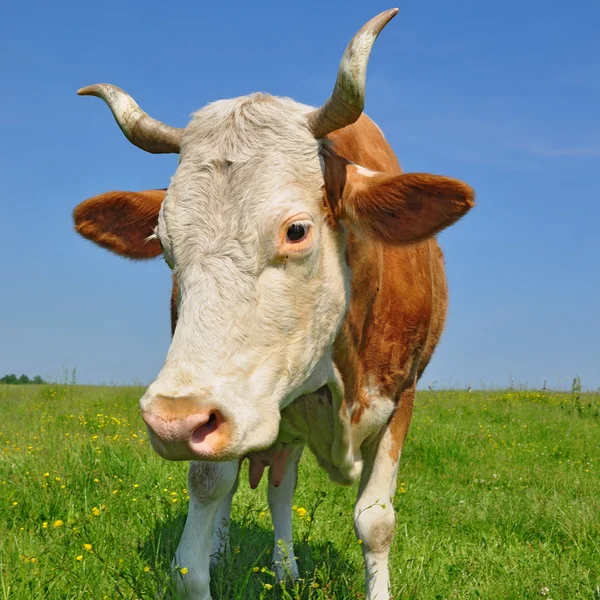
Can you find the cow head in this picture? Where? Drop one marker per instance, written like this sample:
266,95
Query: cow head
254,227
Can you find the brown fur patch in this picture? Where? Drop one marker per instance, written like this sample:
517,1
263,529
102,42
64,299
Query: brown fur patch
399,295
407,208
121,222
400,421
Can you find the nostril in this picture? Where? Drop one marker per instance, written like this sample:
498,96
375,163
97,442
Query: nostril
211,425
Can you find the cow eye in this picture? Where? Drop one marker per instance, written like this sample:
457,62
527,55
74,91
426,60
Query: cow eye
296,232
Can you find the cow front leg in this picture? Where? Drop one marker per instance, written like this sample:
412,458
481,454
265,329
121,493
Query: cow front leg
208,486
374,518
220,537
282,485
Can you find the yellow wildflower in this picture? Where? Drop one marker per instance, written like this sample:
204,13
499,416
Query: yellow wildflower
183,571
268,586
146,569
88,547
301,512
79,557
45,525
58,523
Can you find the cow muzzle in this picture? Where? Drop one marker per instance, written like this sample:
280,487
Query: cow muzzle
188,428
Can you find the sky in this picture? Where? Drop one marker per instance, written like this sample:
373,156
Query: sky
504,95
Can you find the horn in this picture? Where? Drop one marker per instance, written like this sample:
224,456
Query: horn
347,101
139,128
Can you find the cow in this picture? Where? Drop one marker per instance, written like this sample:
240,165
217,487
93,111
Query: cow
309,294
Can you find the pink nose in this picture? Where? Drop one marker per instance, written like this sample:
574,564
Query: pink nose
180,430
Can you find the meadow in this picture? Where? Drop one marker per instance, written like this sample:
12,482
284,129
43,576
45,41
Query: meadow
498,498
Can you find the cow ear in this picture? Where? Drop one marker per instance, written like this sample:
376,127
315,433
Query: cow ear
403,208
122,222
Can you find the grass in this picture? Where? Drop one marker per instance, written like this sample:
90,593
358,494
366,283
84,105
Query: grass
498,497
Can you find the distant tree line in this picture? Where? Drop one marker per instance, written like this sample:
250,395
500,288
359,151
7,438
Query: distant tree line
23,380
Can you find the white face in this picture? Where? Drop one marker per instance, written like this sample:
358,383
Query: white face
262,280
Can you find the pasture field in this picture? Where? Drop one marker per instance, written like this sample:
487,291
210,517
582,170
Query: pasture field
498,498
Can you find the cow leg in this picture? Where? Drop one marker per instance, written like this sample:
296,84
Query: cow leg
220,537
374,513
208,485
280,500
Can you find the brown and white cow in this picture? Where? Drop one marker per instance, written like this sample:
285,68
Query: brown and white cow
309,295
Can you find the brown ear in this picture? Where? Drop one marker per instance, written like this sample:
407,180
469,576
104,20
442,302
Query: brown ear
122,222
404,208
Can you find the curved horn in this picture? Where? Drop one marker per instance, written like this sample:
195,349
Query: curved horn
139,127
347,101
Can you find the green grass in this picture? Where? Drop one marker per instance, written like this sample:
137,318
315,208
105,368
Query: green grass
498,497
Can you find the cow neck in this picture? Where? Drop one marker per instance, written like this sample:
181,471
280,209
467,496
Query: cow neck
365,261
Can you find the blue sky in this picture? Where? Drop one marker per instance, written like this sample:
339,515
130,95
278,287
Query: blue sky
504,95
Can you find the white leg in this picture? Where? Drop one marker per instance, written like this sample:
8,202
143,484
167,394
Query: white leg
374,513
208,485
374,516
220,537
280,502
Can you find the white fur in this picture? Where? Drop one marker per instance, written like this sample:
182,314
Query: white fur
365,172
253,326
220,536
380,410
